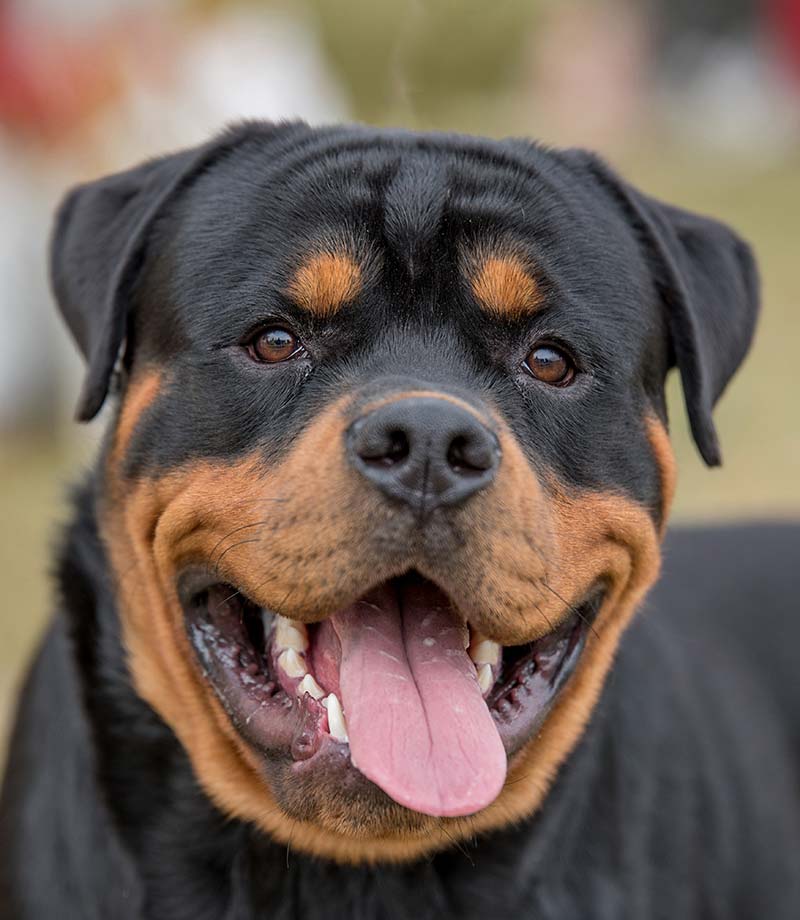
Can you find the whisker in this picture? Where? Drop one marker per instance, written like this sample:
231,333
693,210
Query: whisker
233,546
255,501
289,841
548,564
230,533
230,597
572,608
457,843
519,779
545,617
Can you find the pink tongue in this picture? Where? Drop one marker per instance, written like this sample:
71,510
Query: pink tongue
416,719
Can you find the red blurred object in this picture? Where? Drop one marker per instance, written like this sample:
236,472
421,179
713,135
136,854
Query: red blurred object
783,18
50,84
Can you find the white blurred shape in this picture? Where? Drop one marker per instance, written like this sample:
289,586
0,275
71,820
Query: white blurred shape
732,97
244,63
261,66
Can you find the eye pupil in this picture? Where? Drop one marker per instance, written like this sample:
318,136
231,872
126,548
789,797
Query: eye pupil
275,344
550,365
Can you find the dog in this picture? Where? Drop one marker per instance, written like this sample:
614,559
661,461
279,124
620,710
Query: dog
343,605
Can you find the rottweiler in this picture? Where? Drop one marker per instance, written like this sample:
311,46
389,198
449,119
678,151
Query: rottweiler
388,476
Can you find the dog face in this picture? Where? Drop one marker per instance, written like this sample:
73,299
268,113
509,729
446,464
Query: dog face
390,465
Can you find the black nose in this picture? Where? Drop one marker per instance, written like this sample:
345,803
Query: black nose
424,451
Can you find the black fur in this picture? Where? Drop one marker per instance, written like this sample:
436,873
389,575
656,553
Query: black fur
682,798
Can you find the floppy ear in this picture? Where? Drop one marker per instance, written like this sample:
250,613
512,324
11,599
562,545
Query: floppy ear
707,278
97,249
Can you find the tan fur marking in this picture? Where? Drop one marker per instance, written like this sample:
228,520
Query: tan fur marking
140,394
661,446
536,545
503,286
325,282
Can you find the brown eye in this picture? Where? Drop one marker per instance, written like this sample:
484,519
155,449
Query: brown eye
550,365
275,344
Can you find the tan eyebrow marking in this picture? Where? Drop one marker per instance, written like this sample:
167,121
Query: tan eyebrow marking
326,281
503,284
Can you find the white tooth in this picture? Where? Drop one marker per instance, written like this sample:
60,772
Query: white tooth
485,678
290,634
336,723
292,663
484,651
310,686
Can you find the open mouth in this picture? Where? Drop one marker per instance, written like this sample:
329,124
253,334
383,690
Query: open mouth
397,685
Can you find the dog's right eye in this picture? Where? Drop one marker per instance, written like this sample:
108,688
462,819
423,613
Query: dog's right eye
551,365
275,344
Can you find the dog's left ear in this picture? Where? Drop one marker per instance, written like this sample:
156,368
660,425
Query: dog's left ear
707,278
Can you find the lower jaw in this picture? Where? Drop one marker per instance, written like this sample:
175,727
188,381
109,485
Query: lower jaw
309,769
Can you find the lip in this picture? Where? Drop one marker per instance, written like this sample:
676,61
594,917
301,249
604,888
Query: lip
235,643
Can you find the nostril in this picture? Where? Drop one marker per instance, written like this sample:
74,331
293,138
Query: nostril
397,448
465,456
456,457
388,448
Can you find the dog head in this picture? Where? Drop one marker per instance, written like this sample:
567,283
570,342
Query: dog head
389,469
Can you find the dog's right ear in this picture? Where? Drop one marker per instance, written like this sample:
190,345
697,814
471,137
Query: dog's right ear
98,246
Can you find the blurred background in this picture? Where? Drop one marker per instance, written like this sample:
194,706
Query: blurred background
698,103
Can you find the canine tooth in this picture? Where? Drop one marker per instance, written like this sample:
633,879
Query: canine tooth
310,686
292,663
290,634
484,651
336,723
485,678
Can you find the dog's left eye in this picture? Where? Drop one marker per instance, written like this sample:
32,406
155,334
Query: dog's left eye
275,344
